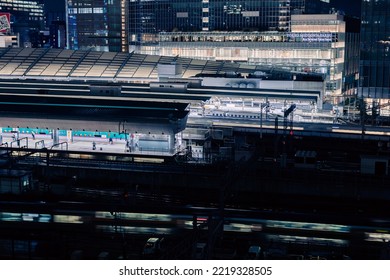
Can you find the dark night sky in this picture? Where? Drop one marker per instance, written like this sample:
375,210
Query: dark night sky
351,7
55,5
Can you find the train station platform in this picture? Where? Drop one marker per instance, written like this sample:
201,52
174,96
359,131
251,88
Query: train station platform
99,125
78,145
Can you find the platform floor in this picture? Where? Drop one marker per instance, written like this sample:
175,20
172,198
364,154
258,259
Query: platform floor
79,144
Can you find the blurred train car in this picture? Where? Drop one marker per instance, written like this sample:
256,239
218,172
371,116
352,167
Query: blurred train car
168,87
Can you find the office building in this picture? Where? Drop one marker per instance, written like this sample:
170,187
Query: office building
58,34
148,18
375,53
26,18
113,25
315,44
160,28
97,25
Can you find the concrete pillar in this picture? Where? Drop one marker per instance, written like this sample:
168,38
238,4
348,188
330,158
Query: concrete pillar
69,136
16,133
56,136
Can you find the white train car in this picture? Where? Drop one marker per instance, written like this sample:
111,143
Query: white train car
233,114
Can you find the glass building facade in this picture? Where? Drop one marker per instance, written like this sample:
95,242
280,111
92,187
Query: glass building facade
375,50
27,19
148,18
100,25
315,44
134,25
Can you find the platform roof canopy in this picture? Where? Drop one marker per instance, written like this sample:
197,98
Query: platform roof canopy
85,64
96,114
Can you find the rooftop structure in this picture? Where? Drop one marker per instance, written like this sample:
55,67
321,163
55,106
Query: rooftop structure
52,72
57,64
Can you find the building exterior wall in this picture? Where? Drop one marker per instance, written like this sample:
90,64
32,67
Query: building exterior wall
352,57
316,43
58,34
371,165
27,19
100,25
375,50
278,85
148,18
9,41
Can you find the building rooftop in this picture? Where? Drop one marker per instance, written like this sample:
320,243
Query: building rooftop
59,64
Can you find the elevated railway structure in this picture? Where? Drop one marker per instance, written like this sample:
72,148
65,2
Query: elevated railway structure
93,126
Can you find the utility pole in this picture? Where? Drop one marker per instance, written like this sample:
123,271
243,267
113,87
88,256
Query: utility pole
362,109
262,106
287,113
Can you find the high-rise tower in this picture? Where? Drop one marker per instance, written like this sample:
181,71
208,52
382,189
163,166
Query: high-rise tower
375,50
100,25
